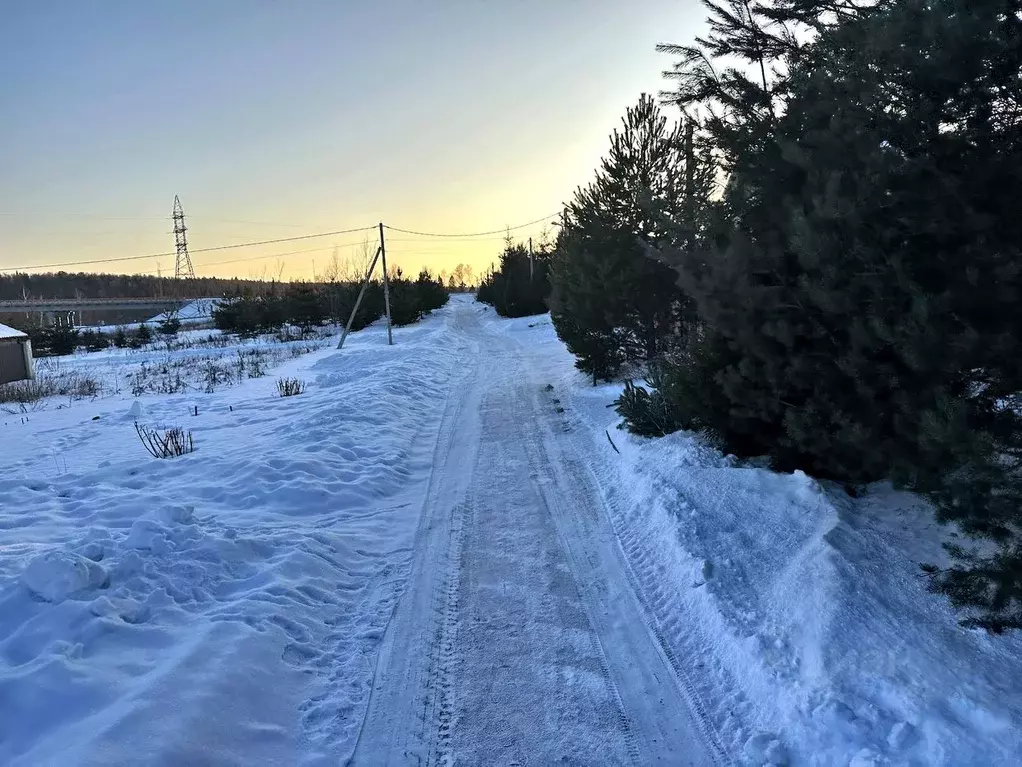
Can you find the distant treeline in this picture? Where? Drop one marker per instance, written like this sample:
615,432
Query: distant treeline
85,285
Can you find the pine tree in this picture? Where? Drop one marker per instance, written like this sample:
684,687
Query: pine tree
587,324
93,340
120,338
857,290
169,325
521,286
143,335
405,307
61,340
432,294
303,306
612,301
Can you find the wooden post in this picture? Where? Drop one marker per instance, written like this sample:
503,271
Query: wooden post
386,286
358,301
530,259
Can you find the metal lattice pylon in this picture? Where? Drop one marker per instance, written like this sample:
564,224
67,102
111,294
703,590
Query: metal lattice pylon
183,265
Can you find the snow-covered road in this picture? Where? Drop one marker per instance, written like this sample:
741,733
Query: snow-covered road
435,555
408,563
519,639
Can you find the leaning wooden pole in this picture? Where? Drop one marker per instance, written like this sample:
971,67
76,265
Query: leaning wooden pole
358,301
386,286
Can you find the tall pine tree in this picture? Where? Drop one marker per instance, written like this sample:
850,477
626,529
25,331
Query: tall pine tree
857,291
610,302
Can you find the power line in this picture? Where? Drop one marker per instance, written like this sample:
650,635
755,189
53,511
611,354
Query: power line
249,223
278,255
284,239
432,240
474,234
96,217
193,250
85,215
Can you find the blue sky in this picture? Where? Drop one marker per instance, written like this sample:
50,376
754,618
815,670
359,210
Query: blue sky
307,116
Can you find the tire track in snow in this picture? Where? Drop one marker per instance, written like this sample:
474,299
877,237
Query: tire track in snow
538,457
395,728
447,650
520,638
653,593
559,456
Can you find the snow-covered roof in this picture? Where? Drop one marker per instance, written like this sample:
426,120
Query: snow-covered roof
6,332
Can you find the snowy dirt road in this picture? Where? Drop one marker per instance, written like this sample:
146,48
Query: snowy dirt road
519,638
410,563
435,555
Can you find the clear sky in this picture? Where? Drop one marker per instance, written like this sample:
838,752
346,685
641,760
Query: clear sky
272,119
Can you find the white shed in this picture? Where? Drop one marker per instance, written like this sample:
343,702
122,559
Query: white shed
15,356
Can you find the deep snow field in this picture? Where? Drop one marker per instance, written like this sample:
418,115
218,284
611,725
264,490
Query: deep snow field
226,606
223,604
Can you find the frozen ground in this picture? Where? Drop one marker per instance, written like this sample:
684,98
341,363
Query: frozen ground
435,555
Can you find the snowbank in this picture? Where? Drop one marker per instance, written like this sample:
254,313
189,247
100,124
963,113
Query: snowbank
799,613
219,607
199,310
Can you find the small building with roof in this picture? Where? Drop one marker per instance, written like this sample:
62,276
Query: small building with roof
15,356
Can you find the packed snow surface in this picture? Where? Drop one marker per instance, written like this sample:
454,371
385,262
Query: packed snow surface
9,332
445,552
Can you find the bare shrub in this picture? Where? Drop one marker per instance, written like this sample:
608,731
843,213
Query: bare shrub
255,366
25,392
214,373
289,387
60,383
167,444
83,386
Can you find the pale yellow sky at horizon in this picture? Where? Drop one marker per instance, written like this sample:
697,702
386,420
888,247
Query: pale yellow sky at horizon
464,119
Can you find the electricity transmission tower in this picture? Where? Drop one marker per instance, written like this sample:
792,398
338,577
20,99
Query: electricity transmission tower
183,265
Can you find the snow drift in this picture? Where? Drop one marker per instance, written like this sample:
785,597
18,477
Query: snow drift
801,612
220,606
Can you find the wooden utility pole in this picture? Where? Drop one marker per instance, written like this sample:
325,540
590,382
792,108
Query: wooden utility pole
386,286
530,259
358,301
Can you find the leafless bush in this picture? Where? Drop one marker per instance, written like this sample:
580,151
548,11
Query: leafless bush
58,383
255,366
25,392
168,444
83,386
289,387
214,372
